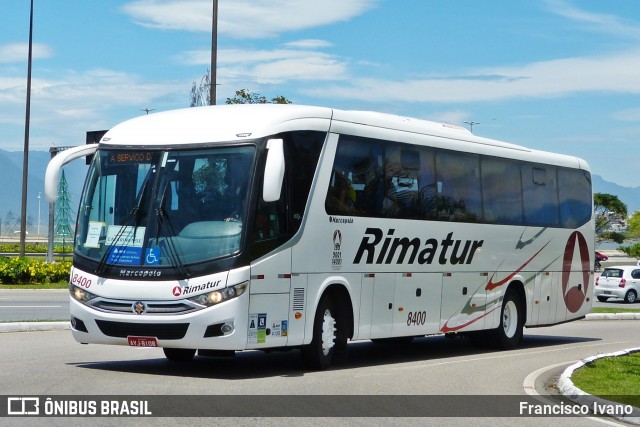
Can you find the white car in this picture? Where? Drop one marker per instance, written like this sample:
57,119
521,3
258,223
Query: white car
622,281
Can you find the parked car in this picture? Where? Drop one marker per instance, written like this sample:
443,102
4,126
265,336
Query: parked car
622,281
601,257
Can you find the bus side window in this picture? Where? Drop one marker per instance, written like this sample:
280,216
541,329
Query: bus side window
401,183
356,181
427,185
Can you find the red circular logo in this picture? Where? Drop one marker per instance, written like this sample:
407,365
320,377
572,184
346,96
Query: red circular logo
177,291
575,294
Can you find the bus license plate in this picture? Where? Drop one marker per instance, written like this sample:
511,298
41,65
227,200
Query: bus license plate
142,341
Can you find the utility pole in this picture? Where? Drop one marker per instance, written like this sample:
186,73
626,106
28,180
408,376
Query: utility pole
25,162
214,53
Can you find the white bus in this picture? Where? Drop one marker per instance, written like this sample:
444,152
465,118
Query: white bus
236,227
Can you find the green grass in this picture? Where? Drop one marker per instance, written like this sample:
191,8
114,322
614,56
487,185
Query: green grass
614,310
61,285
612,378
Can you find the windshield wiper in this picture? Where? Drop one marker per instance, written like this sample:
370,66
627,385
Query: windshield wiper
161,214
133,214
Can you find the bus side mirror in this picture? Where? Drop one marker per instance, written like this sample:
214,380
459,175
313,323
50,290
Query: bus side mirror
52,175
273,171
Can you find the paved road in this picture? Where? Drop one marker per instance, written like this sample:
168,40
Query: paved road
28,305
51,363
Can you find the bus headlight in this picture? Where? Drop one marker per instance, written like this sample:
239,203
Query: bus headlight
221,295
80,294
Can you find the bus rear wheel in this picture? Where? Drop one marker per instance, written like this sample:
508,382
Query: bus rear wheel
179,354
508,334
329,342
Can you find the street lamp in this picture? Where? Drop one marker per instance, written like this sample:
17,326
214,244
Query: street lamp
471,125
39,197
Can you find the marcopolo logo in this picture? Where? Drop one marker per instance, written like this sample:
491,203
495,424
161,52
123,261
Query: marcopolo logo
575,293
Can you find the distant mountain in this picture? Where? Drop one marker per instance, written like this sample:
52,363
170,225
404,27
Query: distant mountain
11,185
628,195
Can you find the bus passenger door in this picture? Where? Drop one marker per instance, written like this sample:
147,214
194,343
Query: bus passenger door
383,307
417,304
464,302
270,290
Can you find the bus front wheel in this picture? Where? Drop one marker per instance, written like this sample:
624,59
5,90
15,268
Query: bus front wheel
508,334
329,342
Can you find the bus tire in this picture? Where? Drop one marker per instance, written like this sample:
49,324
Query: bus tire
508,334
179,354
329,342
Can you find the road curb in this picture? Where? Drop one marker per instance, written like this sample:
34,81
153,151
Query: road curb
612,316
34,326
573,393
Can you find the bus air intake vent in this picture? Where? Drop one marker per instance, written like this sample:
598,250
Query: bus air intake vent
298,299
162,331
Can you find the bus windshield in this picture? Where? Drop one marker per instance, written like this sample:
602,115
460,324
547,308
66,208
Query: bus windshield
164,208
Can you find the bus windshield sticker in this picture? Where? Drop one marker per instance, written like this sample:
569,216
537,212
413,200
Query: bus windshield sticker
152,256
93,234
125,236
124,255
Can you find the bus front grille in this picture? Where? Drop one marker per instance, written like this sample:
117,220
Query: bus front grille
126,307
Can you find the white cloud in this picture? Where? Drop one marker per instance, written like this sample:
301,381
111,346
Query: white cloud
244,19
544,79
272,66
19,52
309,44
629,115
67,105
604,23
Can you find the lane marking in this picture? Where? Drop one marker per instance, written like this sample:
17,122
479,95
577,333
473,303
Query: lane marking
30,306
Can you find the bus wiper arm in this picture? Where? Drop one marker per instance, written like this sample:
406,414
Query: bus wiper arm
173,252
161,213
133,214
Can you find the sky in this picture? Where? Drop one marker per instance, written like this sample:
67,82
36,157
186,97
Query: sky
554,75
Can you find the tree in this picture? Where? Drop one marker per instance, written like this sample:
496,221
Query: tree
633,225
63,213
606,207
201,94
10,222
244,96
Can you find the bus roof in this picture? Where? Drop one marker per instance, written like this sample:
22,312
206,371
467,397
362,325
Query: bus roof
239,122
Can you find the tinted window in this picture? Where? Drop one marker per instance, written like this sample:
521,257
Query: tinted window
502,191
575,196
540,195
379,178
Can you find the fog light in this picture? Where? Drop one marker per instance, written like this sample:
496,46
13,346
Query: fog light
227,328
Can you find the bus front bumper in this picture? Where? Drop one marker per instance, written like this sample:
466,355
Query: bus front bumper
213,328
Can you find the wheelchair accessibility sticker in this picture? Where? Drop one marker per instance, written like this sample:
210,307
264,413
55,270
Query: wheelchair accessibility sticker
152,256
